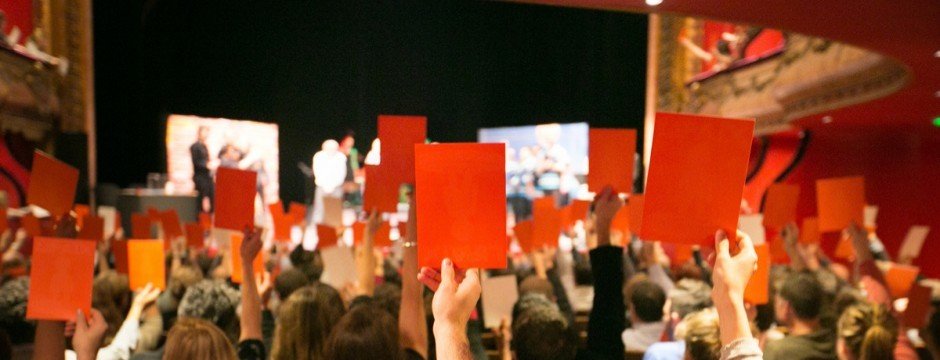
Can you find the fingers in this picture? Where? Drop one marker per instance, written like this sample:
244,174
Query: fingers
470,281
80,322
430,278
722,245
745,244
448,274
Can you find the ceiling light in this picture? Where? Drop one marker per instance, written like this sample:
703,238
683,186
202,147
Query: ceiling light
657,2
826,119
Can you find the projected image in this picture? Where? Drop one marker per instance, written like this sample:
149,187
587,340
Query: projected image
541,160
197,146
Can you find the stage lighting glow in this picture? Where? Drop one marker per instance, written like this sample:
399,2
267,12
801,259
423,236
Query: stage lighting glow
653,2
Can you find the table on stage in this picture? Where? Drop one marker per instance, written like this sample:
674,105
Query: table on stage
132,201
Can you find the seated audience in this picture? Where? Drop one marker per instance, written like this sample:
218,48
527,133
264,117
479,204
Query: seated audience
646,314
866,332
798,306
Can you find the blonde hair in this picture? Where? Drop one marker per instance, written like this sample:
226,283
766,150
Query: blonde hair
869,331
304,322
193,338
702,338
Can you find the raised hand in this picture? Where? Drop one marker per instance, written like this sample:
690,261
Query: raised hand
606,205
453,302
251,245
730,277
88,334
432,277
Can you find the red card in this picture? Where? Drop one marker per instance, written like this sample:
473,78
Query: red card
844,249
839,202
918,304
146,263
153,214
780,205
402,229
171,224
523,231
461,200
119,249
282,222
778,251
399,135
195,236
610,159
205,220
696,177
635,203
382,235
140,226
546,222
809,232
327,236
60,278
52,184
4,222
298,212
258,263
93,228
621,222
900,278
235,199
758,287
81,210
31,225
381,192
576,210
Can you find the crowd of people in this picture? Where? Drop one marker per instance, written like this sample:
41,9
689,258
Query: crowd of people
641,304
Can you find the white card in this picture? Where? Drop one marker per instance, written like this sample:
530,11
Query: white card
871,213
109,215
339,266
914,241
500,294
753,226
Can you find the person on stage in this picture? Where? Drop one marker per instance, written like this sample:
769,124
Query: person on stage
202,175
329,173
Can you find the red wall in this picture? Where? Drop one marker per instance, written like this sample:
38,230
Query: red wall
19,13
902,177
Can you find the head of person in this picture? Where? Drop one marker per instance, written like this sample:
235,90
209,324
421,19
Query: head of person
308,262
289,281
111,295
347,143
304,321
203,134
14,295
866,332
193,338
537,285
646,302
388,297
689,296
931,331
702,338
330,146
365,332
214,301
800,298
541,331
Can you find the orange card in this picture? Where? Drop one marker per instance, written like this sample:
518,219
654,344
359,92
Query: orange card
119,250
146,263
778,251
523,231
900,278
610,159
758,287
81,210
326,236
382,235
461,200
195,236
576,210
399,135
621,222
381,192
839,202
205,220
31,225
780,205
282,222
171,224
235,199
696,177
258,262
297,212
60,278
809,232
546,222
141,226
52,184
635,203
918,304
93,228
844,249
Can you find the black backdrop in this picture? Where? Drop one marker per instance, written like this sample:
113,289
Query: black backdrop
320,68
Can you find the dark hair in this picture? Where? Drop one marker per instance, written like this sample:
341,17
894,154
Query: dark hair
309,262
289,281
365,332
388,297
14,295
543,332
648,300
304,322
804,293
111,295
537,285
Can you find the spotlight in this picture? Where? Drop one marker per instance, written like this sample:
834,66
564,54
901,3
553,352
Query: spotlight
657,2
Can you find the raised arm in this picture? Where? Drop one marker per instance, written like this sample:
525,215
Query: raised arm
453,302
251,300
412,326
608,313
730,277
365,255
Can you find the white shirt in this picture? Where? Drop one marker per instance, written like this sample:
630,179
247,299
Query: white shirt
329,169
642,335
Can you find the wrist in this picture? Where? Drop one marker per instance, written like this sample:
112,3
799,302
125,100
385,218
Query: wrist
450,329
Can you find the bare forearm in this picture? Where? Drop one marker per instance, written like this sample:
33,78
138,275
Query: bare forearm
452,342
50,340
251,304
732,320
365,263
411,316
